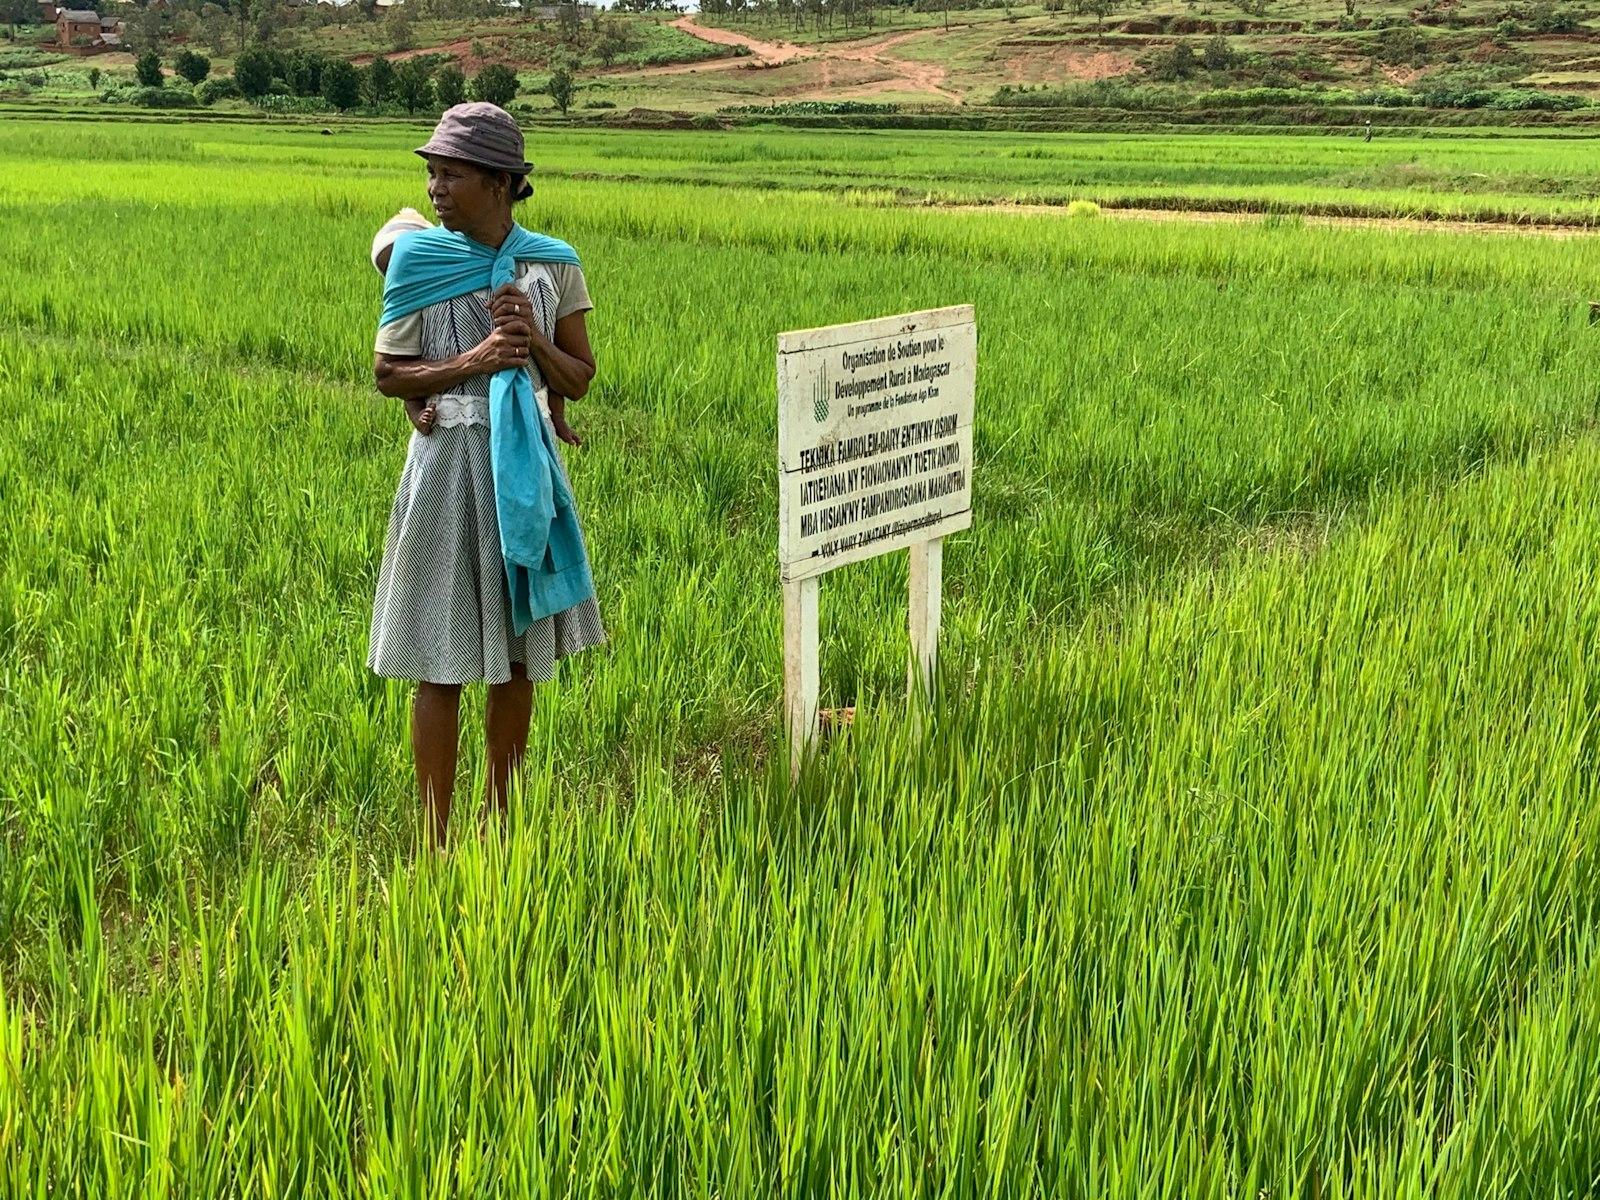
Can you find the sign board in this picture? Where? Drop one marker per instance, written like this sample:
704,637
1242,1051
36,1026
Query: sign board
874,437
874,455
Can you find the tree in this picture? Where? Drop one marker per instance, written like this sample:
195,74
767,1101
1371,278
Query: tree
379,83
561,85
495,83
214,27
304,75
398,26
413,85
1175,64
94,79
1100,10
571,22
1217,55
614,38
148,69
341,85
252,71
143,31
193,67
449,87
17,12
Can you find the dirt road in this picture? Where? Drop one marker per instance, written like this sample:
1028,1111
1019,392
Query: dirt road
873,52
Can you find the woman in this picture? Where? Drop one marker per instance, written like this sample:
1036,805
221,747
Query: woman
484,572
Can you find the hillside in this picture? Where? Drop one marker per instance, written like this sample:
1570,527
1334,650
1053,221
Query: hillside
1392,64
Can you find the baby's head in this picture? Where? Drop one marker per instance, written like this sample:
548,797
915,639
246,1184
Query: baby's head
403,221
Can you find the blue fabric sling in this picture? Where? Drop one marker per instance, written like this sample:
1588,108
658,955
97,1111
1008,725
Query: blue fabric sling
547,570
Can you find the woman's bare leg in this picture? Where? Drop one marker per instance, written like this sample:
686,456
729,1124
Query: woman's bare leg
510,708
435,720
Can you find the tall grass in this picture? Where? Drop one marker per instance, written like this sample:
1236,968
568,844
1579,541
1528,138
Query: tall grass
1249,852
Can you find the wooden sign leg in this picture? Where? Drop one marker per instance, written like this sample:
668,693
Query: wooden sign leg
800,674
927,581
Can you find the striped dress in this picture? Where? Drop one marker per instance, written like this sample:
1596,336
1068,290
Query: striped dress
442,612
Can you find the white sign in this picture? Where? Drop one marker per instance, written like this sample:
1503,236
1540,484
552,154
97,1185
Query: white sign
874,437
874,454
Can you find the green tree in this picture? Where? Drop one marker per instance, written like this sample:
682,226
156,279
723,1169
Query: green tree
449,87
94,78
304,73
143,31
413,84
193,67
148,69
378,86
17,12
571,22
397,25
1218,54
495,83
341,85
252,71
214,27
614,38
562,84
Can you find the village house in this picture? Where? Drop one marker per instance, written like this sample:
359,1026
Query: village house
81,29
77,27
47,12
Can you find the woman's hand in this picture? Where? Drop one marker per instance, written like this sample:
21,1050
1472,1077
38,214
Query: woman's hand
423,413
510,303
506,348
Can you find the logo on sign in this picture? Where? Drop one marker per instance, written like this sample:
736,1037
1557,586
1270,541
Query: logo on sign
819,396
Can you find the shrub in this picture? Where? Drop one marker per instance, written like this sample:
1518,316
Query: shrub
162,97
1083,208
1174,64
1218,54
222,87
1545,17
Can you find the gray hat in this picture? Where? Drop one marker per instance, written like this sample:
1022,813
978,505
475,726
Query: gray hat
484,134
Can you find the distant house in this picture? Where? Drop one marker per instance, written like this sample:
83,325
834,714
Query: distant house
47,12
77,27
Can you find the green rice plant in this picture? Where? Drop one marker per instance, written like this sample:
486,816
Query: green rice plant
1250,849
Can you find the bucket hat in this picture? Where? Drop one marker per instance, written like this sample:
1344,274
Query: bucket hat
484,134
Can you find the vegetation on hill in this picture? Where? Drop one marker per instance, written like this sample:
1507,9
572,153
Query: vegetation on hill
1193,60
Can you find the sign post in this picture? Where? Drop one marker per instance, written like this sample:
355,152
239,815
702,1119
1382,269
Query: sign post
874,455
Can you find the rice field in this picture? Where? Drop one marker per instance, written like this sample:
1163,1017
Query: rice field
1252,850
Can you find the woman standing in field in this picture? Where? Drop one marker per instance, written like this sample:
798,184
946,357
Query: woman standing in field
485,575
